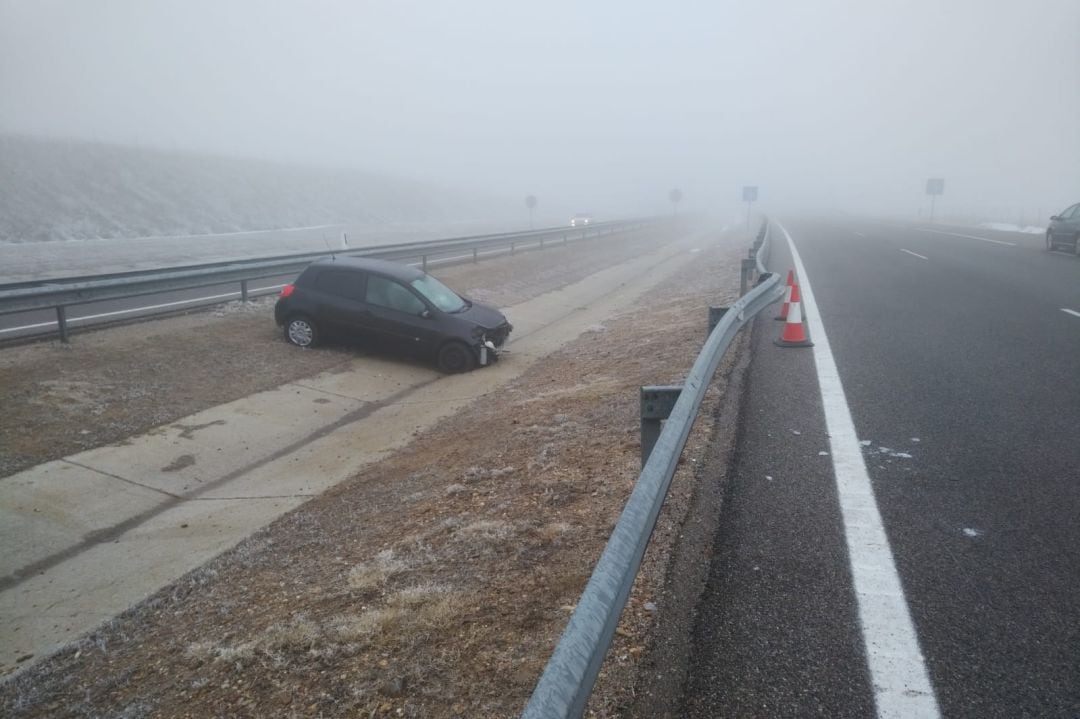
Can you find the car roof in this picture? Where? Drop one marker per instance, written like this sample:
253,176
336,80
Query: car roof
394,270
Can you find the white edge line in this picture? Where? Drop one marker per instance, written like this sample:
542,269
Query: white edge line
84,318
970,237
1071,312
914,254
901,684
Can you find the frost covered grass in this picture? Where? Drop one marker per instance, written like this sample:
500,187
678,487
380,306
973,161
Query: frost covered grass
400,620
376,573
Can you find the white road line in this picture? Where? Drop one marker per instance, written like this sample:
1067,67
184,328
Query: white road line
897,670
84,318
914,254
1071,312
970,237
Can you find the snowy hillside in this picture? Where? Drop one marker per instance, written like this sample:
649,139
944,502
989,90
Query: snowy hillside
64,190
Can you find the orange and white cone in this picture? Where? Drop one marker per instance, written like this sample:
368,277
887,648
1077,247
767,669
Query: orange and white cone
787,296
794,334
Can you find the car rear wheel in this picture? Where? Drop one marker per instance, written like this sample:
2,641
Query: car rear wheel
1076,244
455,357
301,331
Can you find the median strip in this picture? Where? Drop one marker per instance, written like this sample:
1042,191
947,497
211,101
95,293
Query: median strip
256,447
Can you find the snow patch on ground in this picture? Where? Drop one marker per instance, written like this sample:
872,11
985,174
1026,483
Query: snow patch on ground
969,532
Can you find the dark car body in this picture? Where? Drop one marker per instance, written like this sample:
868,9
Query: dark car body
391,307
1064,230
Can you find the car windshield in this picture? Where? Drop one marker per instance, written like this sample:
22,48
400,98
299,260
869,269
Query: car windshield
439,294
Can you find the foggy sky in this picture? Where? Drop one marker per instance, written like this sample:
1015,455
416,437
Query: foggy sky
601,105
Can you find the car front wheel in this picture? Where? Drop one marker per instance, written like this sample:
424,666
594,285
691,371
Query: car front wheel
1049,242
455,357
301,331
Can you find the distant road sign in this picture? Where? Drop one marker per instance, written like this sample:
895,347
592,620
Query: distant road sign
749,193
935,186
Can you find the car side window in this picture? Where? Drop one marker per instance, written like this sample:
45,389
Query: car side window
1072,213
339,283
387,293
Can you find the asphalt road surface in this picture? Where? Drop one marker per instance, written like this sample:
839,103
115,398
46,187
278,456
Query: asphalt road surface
957,368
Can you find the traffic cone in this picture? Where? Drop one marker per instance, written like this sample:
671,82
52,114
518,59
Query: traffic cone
794,334
787,296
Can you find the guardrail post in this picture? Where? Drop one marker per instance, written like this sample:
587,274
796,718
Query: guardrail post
715,315
423,262
511,248
243,291
747,274
564,235
61,323
541,243
657,401
474,256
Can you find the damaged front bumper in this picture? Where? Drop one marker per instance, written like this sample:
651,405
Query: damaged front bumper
490,349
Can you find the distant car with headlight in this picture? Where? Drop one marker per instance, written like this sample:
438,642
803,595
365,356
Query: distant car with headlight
580,220
391,307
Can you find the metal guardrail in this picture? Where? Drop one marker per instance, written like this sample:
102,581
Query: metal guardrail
58,294
564,687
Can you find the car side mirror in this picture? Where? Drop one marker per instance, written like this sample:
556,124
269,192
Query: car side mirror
1055,217
426,314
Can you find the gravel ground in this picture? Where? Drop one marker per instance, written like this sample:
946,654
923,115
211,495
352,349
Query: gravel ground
436,582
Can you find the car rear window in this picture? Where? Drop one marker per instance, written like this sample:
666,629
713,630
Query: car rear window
340,283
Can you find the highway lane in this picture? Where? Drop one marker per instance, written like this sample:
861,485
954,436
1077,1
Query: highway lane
960,361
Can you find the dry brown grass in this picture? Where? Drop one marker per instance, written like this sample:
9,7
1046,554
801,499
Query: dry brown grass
376,573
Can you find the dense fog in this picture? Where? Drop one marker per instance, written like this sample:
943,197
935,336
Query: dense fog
598,106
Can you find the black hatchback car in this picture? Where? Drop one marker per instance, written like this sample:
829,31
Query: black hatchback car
393,307
1064,230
